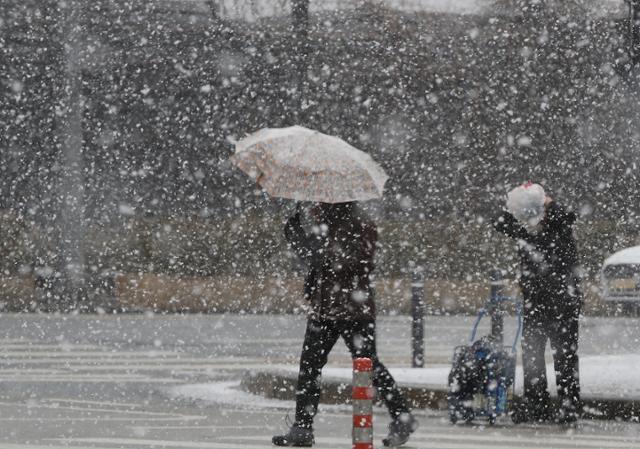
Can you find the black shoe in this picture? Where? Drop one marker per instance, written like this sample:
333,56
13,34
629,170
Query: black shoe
297,436
524,414
400,429
520,415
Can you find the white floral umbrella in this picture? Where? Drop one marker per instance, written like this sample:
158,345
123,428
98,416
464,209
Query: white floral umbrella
305,165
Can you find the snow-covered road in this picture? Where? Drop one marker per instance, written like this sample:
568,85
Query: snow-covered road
130,382
333,431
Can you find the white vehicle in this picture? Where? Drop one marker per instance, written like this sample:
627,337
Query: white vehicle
620,278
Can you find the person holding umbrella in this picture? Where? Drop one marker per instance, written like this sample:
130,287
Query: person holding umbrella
309,166
552,300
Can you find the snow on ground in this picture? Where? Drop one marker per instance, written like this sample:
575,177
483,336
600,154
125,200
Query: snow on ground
600,376
265,8
625,256
255,9
611,377
229,393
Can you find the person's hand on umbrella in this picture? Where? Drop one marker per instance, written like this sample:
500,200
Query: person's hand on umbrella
295,219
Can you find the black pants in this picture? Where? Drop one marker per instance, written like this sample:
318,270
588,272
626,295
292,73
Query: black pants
320,337
562,332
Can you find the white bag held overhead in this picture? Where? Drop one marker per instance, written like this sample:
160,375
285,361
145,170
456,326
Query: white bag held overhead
526,203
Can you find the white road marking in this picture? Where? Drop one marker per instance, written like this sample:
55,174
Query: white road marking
228,340
124,442
321,443
89,378
105,410
127,419
50,355
117,364
614,437
537,440
35,362
477,439
88,350
79,401
204,426
39,446
47,346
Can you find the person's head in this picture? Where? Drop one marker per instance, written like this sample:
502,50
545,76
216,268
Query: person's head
333,214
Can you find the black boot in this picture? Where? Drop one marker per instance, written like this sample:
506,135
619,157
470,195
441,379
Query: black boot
526,413
297,436
400,429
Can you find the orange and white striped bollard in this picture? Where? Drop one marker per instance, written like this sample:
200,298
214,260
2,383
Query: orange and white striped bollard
362,394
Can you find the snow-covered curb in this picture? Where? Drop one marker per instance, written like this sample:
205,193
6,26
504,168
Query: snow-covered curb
602,377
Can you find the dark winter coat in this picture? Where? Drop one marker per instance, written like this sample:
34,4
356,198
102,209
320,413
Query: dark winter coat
340,258
549,262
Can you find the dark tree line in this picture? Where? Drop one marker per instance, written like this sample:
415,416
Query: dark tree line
456,108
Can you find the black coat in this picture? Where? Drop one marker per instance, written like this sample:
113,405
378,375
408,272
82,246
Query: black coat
340,262
549,262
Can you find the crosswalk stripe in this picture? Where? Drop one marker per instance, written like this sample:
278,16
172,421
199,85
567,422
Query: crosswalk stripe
508,441
128,419
130,405
28,361
321,443
114,362
87,354
28,345
90,379
123,442
108,410
476,439
40,446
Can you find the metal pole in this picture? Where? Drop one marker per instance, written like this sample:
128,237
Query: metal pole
497,314
213,8
300,21
634,30
417,315
70,219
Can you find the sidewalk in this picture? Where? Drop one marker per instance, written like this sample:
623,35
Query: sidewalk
610,386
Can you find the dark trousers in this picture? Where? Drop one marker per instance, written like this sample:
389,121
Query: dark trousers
320,338
562,333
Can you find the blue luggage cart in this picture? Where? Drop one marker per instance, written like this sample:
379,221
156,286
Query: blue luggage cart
482,377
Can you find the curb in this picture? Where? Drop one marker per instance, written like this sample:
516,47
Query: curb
282,386
279,385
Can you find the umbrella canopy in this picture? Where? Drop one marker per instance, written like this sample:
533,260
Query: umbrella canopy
305,165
